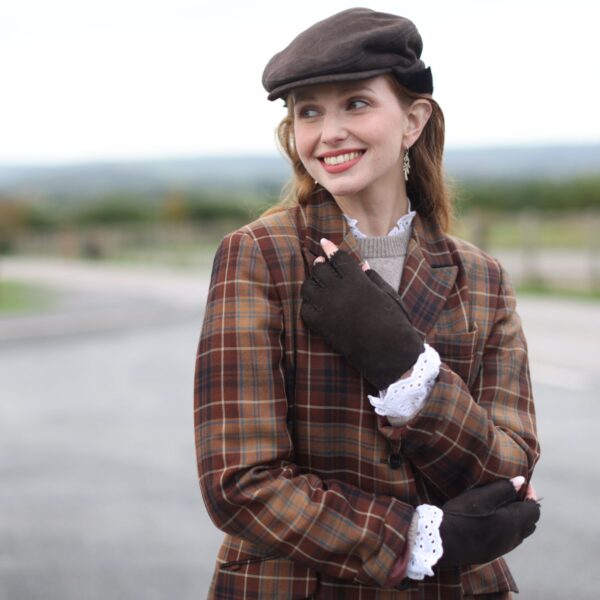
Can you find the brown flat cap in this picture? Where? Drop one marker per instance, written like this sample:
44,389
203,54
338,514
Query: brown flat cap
354,44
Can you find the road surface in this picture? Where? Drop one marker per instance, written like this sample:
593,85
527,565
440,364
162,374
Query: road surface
99,495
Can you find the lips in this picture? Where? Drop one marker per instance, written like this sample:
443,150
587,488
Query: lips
336,162
340,158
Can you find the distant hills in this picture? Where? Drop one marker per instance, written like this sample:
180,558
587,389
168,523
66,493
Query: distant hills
90,180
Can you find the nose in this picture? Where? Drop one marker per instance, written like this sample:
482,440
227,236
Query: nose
334,129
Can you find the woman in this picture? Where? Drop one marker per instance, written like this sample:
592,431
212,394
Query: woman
362,399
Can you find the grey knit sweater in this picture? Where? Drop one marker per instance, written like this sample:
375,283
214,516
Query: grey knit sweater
386,255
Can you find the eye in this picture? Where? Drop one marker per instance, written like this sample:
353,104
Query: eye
307,112
357,103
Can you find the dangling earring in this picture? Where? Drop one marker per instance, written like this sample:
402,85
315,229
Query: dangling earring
406,165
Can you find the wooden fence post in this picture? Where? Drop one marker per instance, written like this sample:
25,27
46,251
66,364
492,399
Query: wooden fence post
529,225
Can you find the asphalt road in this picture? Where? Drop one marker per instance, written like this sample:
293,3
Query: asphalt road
99,496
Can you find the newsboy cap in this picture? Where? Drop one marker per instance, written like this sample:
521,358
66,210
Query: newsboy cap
354,44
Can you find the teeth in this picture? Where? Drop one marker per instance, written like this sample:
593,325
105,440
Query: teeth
340,158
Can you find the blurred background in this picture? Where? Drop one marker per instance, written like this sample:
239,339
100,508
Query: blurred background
133,136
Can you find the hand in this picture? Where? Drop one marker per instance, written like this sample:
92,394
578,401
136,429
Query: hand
484,523
360,316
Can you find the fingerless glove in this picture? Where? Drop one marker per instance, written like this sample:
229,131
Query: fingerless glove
360,316
484,523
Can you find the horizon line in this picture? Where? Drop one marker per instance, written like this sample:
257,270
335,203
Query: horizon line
170,157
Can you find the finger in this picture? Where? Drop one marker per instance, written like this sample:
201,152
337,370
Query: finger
518,482
319,259
523,514
531,493
323,276
309,315
329,247
365,266
310,291
520,519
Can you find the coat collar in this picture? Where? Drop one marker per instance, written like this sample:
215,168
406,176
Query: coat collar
429,271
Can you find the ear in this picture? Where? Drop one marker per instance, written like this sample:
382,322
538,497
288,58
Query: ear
417,116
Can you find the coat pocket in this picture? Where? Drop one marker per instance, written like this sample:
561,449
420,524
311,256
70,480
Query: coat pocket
256,577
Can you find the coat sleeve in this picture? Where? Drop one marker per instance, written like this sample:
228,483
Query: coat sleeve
249,482
468,437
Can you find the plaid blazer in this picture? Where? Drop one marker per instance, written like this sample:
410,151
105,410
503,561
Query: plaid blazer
314,491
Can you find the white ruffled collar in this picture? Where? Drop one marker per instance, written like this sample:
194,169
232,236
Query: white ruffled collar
403,224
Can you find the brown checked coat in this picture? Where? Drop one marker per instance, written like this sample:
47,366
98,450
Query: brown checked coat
315,492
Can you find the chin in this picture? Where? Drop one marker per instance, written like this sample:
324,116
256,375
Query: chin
338,188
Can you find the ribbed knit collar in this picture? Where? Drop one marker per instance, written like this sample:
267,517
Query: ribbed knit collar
388,246
393,244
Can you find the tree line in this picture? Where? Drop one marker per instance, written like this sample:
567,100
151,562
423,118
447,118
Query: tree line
210,205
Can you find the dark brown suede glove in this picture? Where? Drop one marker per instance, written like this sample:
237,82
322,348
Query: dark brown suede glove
361,316
484,523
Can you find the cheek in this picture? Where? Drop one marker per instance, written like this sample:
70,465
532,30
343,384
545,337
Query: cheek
305,145
302,141
393,135
392,129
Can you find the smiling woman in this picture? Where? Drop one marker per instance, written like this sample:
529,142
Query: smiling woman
363,410
343,131
421,114
342,134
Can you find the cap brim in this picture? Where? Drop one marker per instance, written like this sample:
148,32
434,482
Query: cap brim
282,90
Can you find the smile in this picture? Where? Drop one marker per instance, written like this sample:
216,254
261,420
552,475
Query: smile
341,162
340,158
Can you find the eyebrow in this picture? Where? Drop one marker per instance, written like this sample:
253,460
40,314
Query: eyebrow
346,87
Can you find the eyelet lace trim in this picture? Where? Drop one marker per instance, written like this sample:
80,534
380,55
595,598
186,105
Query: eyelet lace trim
427,548
403,399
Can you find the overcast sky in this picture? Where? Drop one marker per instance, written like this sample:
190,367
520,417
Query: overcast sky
103,79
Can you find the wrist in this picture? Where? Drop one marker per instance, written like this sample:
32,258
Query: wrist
408,373
398,573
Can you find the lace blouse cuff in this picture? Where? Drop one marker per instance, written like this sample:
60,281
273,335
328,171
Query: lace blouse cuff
427,547
403,399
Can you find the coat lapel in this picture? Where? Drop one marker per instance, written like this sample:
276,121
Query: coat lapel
322,218
428,275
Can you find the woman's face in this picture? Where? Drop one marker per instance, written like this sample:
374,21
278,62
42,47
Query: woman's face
349,136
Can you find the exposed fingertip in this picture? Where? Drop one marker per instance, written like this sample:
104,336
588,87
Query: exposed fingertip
365,266
518,482
531,493
319,259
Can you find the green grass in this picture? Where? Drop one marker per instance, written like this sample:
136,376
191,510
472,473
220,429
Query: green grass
550,291
576,231
18,297
179,254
